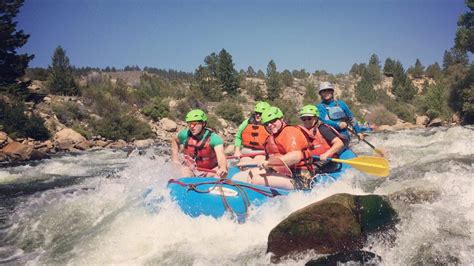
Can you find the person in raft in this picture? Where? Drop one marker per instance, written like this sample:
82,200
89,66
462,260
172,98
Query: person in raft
202,148
326,141
251,134
287,148
336,113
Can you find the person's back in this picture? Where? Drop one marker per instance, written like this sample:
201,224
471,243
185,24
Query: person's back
251,134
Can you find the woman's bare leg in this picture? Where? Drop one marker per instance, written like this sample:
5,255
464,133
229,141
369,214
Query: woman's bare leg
258,176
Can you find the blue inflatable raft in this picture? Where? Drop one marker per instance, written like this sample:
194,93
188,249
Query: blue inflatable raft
213,197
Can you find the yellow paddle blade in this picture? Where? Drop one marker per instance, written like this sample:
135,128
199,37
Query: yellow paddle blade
372,165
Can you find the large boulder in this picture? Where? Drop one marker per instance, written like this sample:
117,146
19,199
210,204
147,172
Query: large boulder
422,120
437,122
143,143
16,151
385,128
336,224
3,139
168,125
66,138
84,145
119,144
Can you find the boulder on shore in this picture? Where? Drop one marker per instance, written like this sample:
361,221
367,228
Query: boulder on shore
66,138
336,224
437,122
422,120
15,151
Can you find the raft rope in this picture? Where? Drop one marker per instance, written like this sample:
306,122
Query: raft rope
220,184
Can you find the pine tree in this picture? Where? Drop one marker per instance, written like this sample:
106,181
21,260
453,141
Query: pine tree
287,78
433,71
354,69
364,89
434,101
207,84
273,81
357,69
417,71
389,66
250,72
12,65
465,33
374,69
212,62
227,75
61,81
402,87
311,96
453,57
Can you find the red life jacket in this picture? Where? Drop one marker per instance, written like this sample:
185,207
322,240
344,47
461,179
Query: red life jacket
201,151
254,136
319,144
273,147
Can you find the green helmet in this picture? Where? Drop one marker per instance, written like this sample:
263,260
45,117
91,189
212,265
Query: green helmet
309,110
260,107
271,114
196,115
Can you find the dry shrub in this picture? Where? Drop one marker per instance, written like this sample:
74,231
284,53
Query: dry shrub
379,115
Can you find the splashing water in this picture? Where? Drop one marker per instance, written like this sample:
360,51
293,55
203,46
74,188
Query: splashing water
90,208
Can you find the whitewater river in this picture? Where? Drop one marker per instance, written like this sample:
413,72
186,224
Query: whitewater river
89,208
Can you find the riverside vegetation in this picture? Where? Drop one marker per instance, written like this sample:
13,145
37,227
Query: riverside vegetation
128,104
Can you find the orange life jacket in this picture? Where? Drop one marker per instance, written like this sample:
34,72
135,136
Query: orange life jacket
319,144
201,151
274,146
254,136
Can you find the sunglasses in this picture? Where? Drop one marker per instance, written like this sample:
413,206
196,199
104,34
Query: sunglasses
271,122
194,123
306,118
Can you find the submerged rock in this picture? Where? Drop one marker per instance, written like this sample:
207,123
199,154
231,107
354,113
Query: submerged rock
335,224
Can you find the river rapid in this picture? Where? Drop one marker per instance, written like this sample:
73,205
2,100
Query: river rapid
89,208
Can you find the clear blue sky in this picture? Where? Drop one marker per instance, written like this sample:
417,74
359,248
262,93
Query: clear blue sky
315,35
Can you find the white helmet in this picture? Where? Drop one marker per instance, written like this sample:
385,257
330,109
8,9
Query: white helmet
325,86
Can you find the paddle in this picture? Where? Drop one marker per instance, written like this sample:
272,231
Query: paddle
368,164
378,151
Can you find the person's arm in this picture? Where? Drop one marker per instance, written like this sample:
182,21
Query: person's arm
336,143
174,149
352,121
292,157
322,116
238,137
221,161
217,144
175,144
